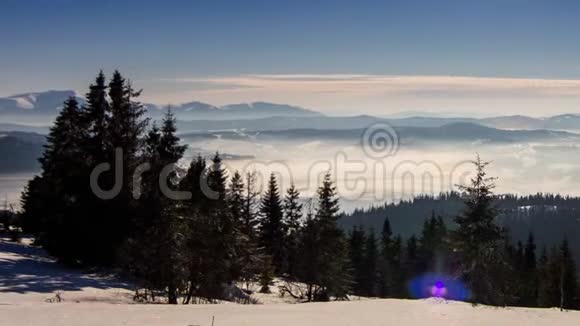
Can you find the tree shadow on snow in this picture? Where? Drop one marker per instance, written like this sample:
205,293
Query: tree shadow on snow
25,269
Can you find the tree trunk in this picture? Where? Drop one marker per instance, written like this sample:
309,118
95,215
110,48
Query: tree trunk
172,294
189,293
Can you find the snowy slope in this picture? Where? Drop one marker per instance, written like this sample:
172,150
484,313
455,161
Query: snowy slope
28,278
367,313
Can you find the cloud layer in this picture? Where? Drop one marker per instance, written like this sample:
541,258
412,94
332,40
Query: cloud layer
386,93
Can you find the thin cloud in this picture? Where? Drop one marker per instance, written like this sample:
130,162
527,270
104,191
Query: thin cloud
380,94
378,84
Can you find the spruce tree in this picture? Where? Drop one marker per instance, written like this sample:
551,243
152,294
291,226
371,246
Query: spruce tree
125,128
370,268
478,241
222,239
357,242
216,181
386,260
386,236
34,211
192,182
266,276
519,256
529,295
334,274
530,261
292,220
97,111
198,231
272,227
98,212
411,258
250,261
158,251
559,280
126,124
292,209
545,289
432,251
397,279
568,278
170,152
52,201
308,262
250,210
236,197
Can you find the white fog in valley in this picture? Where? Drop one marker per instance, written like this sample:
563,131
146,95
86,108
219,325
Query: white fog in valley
411,170
364,180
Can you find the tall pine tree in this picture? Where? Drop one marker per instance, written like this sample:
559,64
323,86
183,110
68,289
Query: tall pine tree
157,253
357,241
480,261
52,201
333,267
272,227
293,222
370,265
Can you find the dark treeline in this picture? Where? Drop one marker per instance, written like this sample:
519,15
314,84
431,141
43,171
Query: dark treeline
548,216
474,250
224,235
389,266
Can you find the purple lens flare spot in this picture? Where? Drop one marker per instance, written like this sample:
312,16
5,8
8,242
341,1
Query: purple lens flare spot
438,290
435,285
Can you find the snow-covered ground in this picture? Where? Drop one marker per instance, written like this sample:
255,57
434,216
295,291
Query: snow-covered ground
29,281
368,313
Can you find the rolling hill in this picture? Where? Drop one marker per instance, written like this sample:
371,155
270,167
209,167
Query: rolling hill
20,151
454,132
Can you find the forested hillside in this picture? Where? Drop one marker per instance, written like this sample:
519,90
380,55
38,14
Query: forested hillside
548,216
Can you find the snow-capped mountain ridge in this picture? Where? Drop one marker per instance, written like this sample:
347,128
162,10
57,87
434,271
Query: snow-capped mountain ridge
48,103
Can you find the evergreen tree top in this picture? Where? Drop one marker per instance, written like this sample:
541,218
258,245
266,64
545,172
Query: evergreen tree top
387,232
328,202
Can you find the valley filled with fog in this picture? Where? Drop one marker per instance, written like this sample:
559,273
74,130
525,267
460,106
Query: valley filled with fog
410,164
420,168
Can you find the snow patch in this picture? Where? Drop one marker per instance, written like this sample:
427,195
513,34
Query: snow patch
25,102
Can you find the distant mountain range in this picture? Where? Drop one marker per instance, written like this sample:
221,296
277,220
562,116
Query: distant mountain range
9,127
454,132
246,111
568,122
263,116
47,104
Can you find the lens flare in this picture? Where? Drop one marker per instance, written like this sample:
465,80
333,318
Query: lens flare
438,286
438,290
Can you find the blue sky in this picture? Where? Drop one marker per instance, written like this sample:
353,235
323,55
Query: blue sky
176,50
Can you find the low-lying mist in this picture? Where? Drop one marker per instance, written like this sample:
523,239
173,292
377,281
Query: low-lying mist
364,176
368,174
